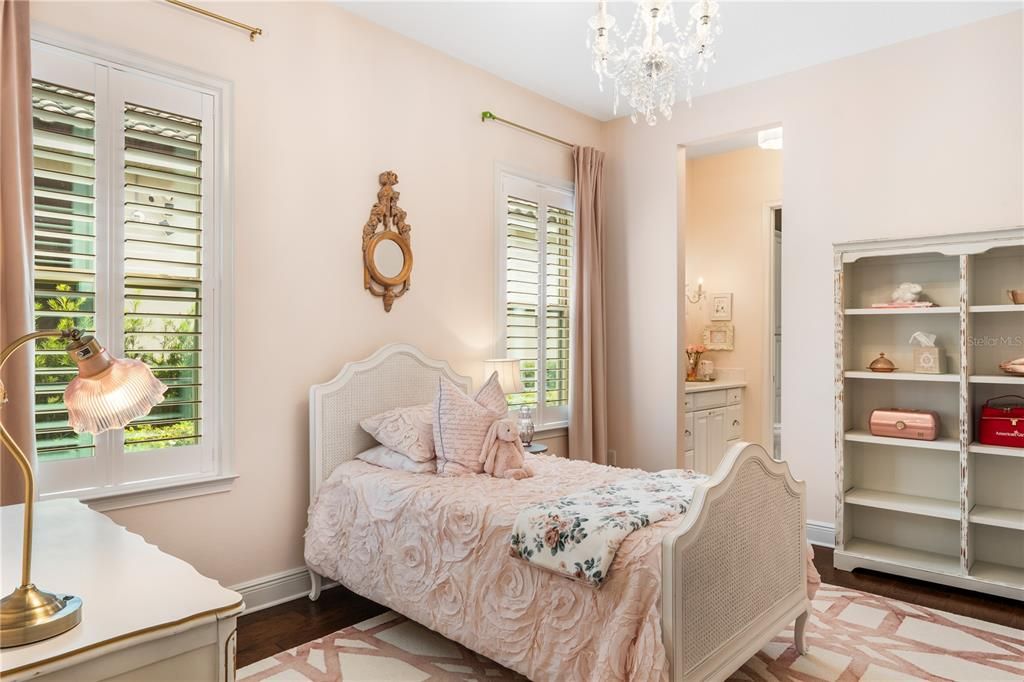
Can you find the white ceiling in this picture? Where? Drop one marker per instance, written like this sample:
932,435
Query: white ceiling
542,45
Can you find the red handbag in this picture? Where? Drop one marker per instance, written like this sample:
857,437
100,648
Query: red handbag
1002,425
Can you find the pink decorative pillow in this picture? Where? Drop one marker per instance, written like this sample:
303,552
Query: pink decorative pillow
491,396
408,430
460,424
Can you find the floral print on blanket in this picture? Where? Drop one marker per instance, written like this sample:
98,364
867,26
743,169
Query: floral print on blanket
578,535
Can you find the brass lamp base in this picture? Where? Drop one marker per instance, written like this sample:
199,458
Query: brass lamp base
29,615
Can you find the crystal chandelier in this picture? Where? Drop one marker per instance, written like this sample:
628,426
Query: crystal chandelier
646,70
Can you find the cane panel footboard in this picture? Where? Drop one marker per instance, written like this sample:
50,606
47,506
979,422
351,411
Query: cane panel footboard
734,573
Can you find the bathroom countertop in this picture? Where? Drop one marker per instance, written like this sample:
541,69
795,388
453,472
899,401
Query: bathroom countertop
717,385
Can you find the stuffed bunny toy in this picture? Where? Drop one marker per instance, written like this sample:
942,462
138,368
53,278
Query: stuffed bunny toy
503,455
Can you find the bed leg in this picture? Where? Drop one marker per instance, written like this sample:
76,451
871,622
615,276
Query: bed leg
316,582
799,633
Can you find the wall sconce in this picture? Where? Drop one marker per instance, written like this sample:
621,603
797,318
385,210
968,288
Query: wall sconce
700,295
770,138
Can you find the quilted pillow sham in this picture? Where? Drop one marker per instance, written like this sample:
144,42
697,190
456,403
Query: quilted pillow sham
406,430
382,456
460,424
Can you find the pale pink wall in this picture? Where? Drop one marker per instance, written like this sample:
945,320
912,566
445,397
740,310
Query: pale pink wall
918,138
324,102
727,241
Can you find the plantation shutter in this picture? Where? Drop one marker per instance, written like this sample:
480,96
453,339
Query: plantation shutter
163,269
522,294
539,233
64,246
126,240
557,293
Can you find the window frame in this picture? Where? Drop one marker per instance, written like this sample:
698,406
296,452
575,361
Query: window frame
216,462
547,419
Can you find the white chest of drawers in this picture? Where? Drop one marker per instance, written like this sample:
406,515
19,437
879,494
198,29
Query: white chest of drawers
146,615
713,421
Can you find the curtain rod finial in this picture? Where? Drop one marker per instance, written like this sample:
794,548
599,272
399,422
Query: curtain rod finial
485,115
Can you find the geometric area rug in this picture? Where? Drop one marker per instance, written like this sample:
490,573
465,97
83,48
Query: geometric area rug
852,635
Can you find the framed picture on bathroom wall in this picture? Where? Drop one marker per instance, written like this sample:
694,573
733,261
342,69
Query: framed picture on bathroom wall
719,336
721,307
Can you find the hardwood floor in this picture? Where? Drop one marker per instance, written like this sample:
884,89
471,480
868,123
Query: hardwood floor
270,631
281,627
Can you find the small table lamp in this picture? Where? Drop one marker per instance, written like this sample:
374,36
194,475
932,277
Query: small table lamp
508,374
510,378
106,394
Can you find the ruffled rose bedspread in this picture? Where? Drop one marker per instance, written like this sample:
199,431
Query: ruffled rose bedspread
436,550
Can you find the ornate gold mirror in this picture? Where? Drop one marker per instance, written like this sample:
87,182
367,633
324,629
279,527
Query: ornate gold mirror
387,247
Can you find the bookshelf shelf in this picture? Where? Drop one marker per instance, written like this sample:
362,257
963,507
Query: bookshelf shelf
934,310
908,504
997,308
1004,379
998,516
999,450
858,436
901,376
880,551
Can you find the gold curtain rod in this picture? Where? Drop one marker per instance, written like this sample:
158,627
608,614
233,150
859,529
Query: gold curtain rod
253,30
489,116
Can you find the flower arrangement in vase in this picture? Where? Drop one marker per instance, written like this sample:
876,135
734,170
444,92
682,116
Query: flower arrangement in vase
693,353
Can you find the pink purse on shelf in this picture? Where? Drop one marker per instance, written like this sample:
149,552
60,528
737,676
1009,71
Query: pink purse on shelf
897,423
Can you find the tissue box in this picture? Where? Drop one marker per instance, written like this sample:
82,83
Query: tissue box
929,360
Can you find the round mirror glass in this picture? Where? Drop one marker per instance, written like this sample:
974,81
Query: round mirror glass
388,258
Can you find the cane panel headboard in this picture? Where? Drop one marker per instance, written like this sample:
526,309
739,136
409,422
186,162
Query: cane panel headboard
397,375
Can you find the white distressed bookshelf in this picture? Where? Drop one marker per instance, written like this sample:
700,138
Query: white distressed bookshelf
950,510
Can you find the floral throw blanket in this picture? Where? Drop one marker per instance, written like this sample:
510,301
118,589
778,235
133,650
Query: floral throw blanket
578,535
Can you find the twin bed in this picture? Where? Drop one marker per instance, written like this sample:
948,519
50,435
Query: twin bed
691,597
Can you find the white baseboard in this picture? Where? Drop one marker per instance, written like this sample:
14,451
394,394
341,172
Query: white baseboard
821,533
275,589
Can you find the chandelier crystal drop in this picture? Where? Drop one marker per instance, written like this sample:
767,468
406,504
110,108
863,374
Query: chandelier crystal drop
646,69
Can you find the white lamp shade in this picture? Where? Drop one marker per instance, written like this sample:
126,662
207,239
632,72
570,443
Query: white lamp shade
508,374
126,390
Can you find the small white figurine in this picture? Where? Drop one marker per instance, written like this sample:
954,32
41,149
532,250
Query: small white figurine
907,292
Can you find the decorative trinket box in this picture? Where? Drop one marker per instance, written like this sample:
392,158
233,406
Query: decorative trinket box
897,423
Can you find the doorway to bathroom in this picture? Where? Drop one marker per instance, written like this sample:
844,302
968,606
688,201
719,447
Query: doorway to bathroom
730,229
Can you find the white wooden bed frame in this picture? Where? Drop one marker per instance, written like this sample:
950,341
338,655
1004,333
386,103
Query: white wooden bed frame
734,571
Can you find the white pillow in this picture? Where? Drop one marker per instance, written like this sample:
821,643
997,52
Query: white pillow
491,396
406,430
460,424
389,459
